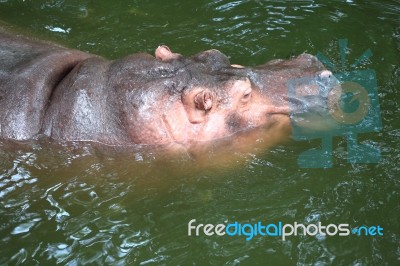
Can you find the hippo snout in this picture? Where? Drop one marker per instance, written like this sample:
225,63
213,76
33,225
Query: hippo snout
308,99
310,94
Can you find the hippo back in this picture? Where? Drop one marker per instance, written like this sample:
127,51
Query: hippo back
29,72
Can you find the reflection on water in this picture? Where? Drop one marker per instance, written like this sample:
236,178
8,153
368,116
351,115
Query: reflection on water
74,204
80,206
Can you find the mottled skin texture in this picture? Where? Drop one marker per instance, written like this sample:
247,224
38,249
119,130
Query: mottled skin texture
140,99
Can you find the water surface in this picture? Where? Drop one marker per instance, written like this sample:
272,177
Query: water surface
74,205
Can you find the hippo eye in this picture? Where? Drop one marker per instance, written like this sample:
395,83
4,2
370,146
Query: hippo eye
246,95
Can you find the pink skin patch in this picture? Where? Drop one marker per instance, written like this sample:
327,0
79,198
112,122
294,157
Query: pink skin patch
325,74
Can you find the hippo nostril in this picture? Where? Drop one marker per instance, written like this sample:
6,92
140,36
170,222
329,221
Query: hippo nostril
325,74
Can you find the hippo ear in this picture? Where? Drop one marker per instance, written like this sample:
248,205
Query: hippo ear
163,53
197,103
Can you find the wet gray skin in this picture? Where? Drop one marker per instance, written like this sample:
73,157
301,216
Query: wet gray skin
168,99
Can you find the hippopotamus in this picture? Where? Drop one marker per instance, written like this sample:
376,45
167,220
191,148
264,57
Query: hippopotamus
161,99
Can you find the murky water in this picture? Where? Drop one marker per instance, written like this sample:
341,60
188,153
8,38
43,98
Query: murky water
73,204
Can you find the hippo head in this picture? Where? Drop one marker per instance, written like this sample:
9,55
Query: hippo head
173,99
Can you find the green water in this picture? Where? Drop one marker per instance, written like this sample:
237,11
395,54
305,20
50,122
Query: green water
75,205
